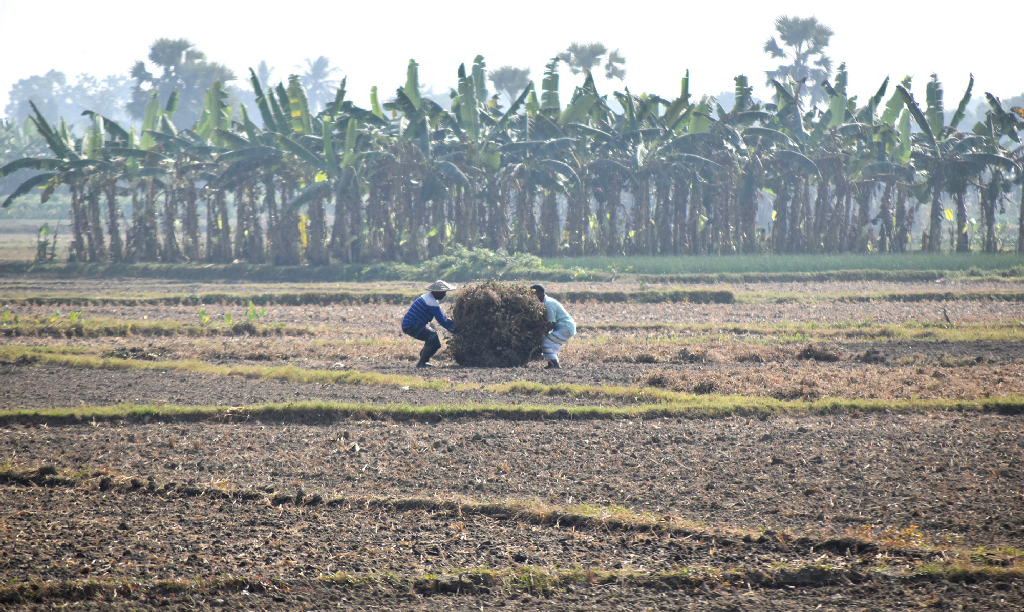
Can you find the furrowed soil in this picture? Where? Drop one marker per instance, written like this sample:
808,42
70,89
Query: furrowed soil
379,508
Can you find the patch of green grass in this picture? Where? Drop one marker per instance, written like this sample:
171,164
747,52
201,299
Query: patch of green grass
811,263
813,331
288,372
696,407
97,328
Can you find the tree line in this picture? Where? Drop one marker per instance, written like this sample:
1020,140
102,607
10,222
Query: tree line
597,175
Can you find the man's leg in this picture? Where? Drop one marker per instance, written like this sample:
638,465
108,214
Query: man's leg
431,344
550,347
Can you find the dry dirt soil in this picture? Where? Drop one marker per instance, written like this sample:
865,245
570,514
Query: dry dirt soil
324,510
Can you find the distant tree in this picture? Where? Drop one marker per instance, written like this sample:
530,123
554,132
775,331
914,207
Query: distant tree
510,80
46,90
804,40
108,97
183,67
320,88
579,56
57,98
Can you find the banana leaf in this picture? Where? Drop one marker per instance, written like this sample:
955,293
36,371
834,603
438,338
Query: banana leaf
884,168
299,106
28,186
330,158
151,157
577,109
480,80
232,140
339,99
451,173
172,143
261,102
412,85
301,152
769,135
312,191
251,131
99,164
798,160
562,168
867,114
593,132
935,113
858,130
149,120
172,103
250,153
961,109
167,126
32,163
116,131
549,88
697,160
915,112
744,94
991,159
56,142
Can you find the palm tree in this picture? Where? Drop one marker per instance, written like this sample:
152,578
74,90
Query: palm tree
319,86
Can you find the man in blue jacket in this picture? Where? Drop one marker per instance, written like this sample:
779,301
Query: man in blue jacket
416,322
563,327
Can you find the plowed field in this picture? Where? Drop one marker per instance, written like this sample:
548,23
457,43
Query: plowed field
864,455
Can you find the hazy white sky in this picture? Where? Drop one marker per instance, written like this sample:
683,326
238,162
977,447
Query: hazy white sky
372,41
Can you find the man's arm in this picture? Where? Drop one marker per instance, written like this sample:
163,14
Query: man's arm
441,319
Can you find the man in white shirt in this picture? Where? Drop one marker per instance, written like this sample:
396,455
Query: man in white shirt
563,327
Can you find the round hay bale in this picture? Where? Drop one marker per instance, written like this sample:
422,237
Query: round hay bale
499,325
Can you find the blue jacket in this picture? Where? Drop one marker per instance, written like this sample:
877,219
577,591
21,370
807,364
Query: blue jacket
422,311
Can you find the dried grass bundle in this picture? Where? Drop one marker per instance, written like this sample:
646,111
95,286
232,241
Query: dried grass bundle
499,325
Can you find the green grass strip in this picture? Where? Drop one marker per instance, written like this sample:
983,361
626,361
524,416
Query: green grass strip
633,400
472,581
103,327
691,407
288,372
813,331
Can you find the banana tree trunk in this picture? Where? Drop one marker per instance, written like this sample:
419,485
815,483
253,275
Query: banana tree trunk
780,217
549,224
680,194
316,248
904,220
341,244
78,225
663,214
935,218
285,246
794,239
97,248
241,222
191,221
963,244
116,247
885,216
989,195
746,205
172,253
499,221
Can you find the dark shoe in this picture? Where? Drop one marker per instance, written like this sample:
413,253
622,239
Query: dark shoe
424,364
553,365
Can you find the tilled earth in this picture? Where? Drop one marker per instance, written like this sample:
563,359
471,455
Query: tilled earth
317,510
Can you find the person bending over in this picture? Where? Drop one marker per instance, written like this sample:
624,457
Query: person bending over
416,322
563,328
